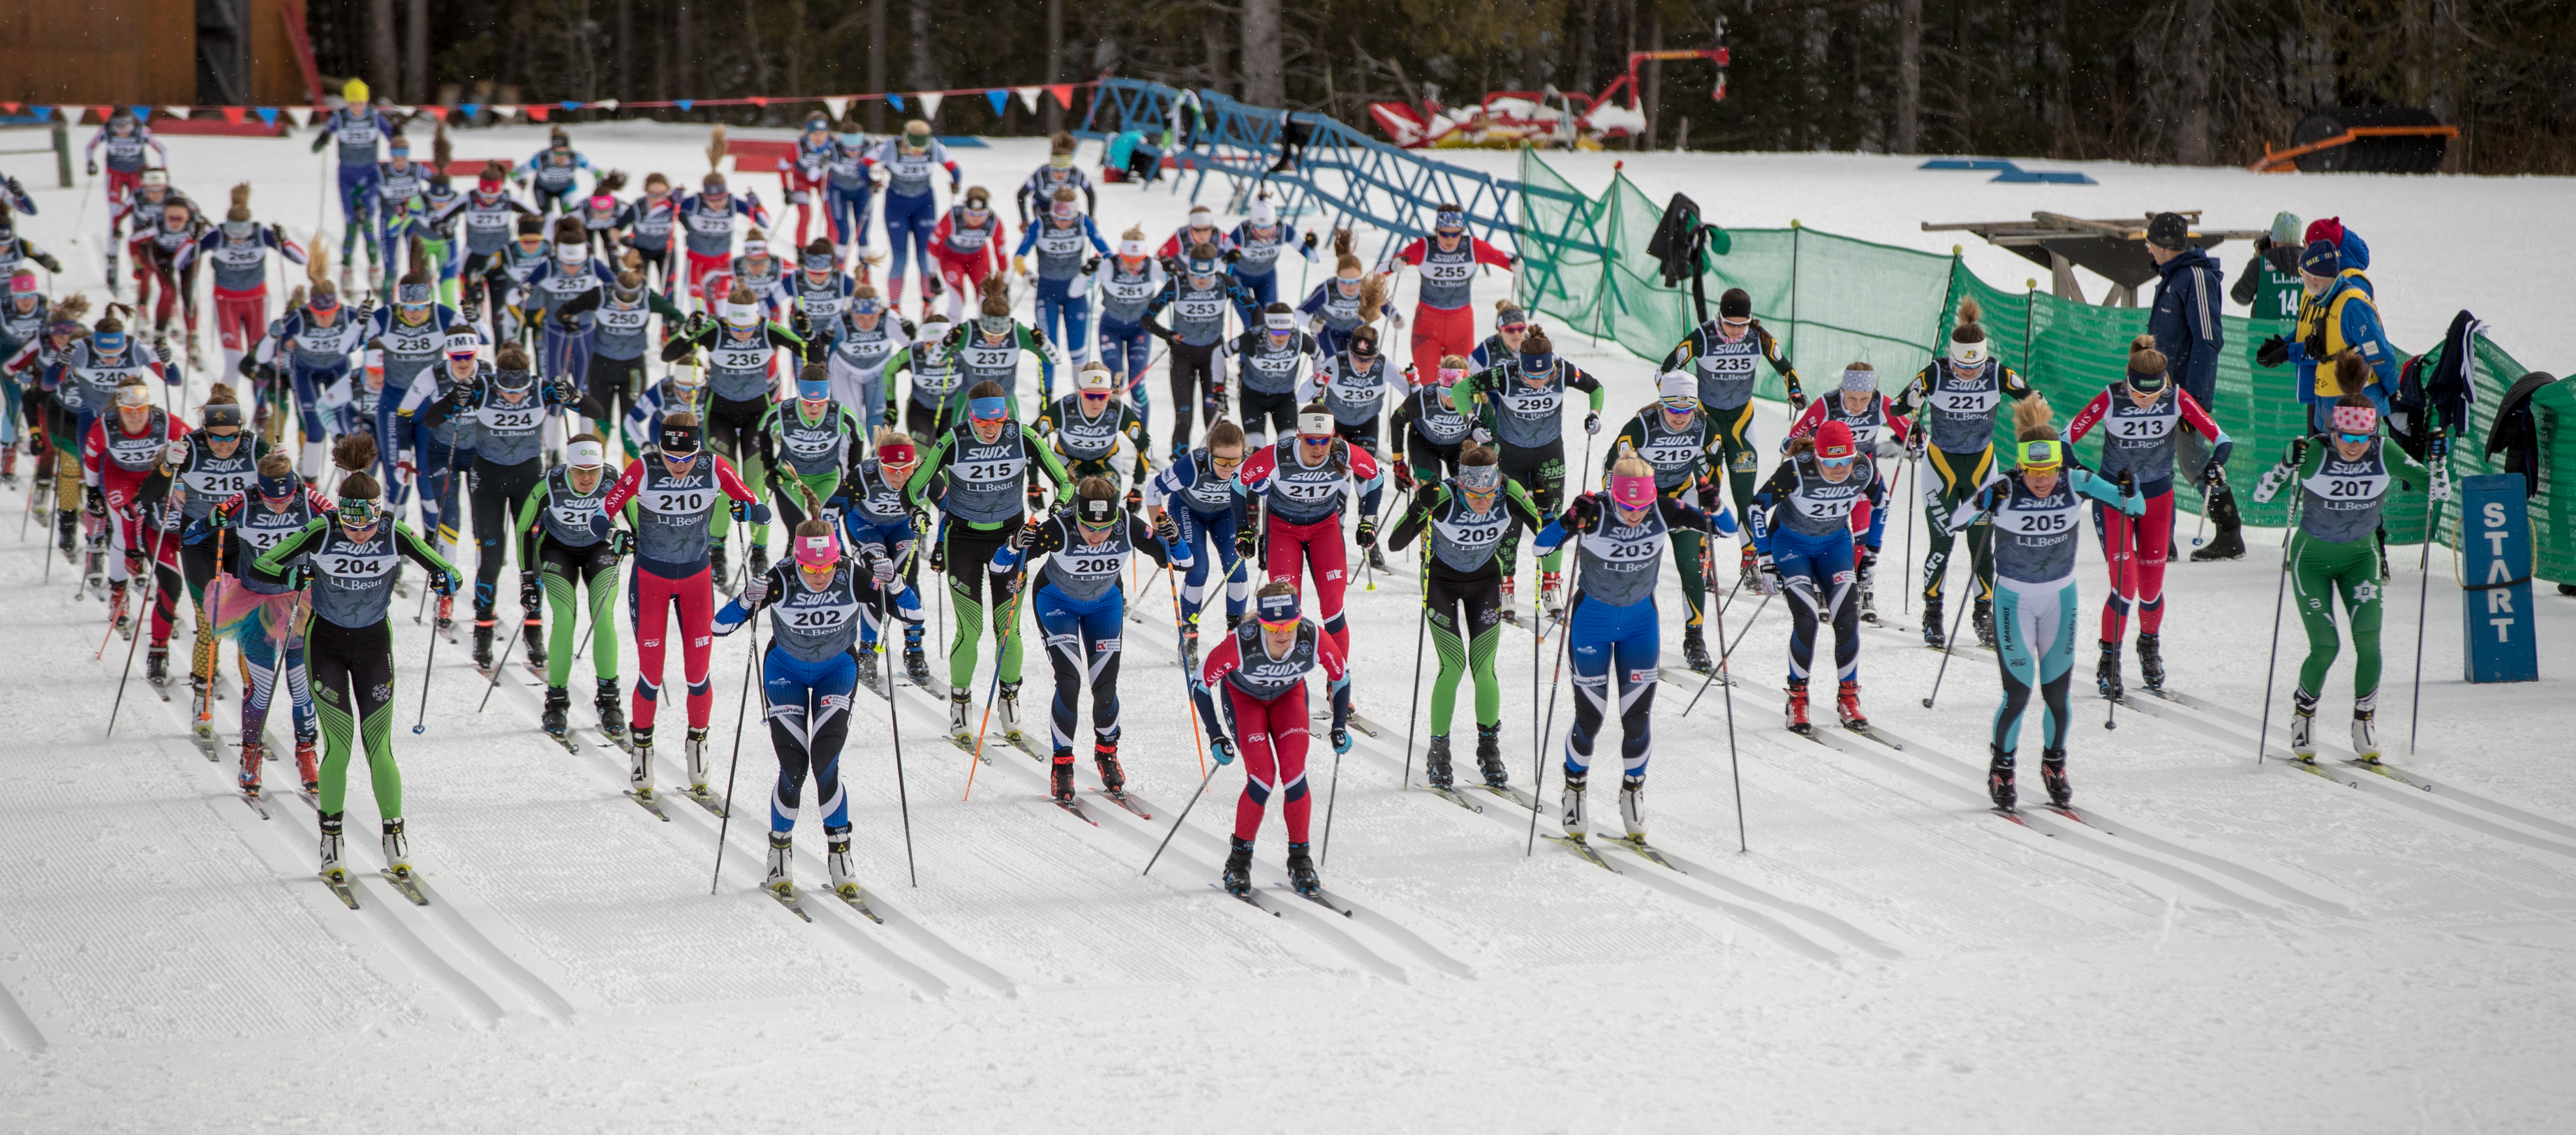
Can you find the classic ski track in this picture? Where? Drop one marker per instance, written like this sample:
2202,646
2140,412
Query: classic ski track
2245,873
19,1029
922,937
2173,717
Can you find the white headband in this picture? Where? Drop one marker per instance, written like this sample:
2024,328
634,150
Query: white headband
739,314
585,455
1968,354
1675,384
1094,377
1279,320
1132,249
1315,425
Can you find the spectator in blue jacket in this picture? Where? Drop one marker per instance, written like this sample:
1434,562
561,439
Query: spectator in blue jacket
2184,321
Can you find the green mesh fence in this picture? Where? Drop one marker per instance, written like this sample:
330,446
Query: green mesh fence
1833,300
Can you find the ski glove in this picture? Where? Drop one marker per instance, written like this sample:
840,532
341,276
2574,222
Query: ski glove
1368,533
94,500
1404,476
621,542
939,556
1592,423
1026,536
1582,512
527,591
2213,476
881,569
750,512
2298,454
1768,582
1797,403
445,582
1483,436
2273,352
1223,750
1247,543
755,591
1341,740
1168,531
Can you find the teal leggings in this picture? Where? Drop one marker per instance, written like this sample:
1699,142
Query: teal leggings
2035,646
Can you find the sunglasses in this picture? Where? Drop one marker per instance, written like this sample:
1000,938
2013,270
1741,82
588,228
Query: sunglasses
1289,623
2353,439
1837,462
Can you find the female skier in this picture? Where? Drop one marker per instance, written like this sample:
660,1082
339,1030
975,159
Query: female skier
988,460
1444,319
165,251
805,443
1353,386
1196,496
93,387
2142,419
867,340
558,537
239,248
1520,404
439,447
622,333
968,244
218,462
128,141
262,616
1277,364
804,173
1128,282
1511,325
2343,485
507,408
550,173
122,451
491,215
742,347
405,340
676,490
1253,249
876,514
1064,297
1058,173
1348,298
1721,352
647,222
989,349
1952,403
1803,543
1086,427
562,299
1199,298
816,291
1676,437
353,557
709,217
1290,496
911,212
937,401
848,190
1430,428
1613,627
2034,508
1462,595
1864,411
357,127
1262,665
601,212
318,338
1081,607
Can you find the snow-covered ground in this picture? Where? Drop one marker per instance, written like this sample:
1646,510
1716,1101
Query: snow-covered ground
2233,947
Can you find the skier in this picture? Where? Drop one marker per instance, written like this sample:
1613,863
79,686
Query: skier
2142,419
404,339
868,339
684,388
1199,295
989,348
805,443
239,250
22,325
263,617
402,204
2033,505
1290,497
2342,483
1063,274
807,674
357,128
1201,229
440,447
508,278
742,348
216,463
1678,438
848,191
676,489
805,171
1351,296
1196,496
1613,630
119,454
601,212
1802,536
757,269
1353,386
1520,404
1058,173
1430,430
622,332
1262,665
1462,588
1721,352
1253,249
1085,427
353,557
40,369
967,243
1511,325
1081,607
938,398
127,140
550,173
145,209
646,223
441,207
820,291
164,251
1952,404
875,514
1444,321
507,407
89,391
314,343
565,550
1127,282
490,214
562,298
910,210
1864,411
1277,368
987,460
709,218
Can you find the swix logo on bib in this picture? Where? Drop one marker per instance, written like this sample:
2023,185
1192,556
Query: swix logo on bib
356,130
907,174
1084,572
2131,426
138,454
2038,519
1303,495
353,563
499,417
1447,276
1621,560
262,529
124,154
2342,485
1262,676
822,305
981,464
567,513
867,350
1272,370
1341,312
1818,507
1208,493
1464,538
1257,253
572,512
1059,250
2034,534
1355,395
654,220
555,174
1086,439
1538,404
1672,452
406,342
815,626
211,480
621,328
711,220
1865,425
240,265
984,477
400,186
813,448
933,380
1963,409
492,216
877,501
1443,425
675,511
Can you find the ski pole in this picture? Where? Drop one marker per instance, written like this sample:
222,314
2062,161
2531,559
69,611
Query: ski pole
1724,652
1333,792
2280,595
894,729
724,822
418,723
1176,823
497,663
1173,587
2203,522
137,640
1949,643
1913,484
1734,771
1538,753
1413,704
2423,594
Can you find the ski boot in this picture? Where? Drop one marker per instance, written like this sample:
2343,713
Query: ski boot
397,849
694,749
759,559
252,755
916,665
868,667
1301,871
1489,755
1632,806
1007,709
447,616
1238,868
1983,617
961,702
67,531
533,634
1511,613
331,868
558,703
1551,589
2151,662
2106,673
201,715
348,278
483,642
117,615
782,860
1932,633
2052,774
1436,764
2303,725
1798,707
1999,778
1695,650
639,765
2365,739
1869,595
836,860
1377,559
156,665
716,569
2229,542
1104,756
1748,574
308,766
1847,705
1060,776
612,710
1570,809
9,465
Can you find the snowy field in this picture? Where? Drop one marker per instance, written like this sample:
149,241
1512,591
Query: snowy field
2230,948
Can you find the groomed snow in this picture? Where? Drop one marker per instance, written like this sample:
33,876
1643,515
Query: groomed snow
2255,949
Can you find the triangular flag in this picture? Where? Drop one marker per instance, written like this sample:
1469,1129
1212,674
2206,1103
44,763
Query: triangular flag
437,112
569,105
267,115
1063,93
604,104
1029,97
895,101
300,115
758,102
836,106
469,110
41,112
1001,99
685,104
504,113
930,103
536,113
178,112
105,113
235,115
143,114
9,107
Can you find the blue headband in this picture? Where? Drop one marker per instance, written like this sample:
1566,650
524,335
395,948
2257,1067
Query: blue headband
108,341
1537,362
988,409
1449,219
813,389
1277,608
281,486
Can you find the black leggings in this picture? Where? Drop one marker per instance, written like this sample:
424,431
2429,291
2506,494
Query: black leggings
614,384
352,671
922,422
1541,473
1194,382
1268,417
1363,435
498,493
1430,461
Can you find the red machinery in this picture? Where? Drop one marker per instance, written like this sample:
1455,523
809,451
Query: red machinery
1506,119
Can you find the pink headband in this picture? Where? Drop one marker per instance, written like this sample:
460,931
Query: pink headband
2356,419
817,551
1632,492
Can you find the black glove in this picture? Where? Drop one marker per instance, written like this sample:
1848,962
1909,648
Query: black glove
1135,497
2298,454
161,351
93,166
94,500
1247,543
1584,511
697,324
2438,445
1025,538
2213,476
1091,265
1310,241
621,542
1168,530
445,582
1368,532
800,323
528,591
1230,256
1037,497
939,556
2273,352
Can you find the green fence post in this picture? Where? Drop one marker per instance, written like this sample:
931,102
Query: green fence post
2029,315
1795,228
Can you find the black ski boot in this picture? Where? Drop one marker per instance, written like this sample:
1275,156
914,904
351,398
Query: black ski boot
1436,765
2229,543
156,665
1932,629
534,634
612,710
1695,651
1190,646
1104,756
558,701
1983,616
868,668
1999,778
1060,777
1489,755
1238,868
2052,773
2151,662
2106,673
916,665
759,559
67,529
483,641
1301,871
716,569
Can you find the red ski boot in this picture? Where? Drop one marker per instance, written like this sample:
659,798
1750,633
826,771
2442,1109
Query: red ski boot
1798,706
1847,705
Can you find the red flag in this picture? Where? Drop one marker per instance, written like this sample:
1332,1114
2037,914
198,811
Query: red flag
104,113
235,114
536,113
437,112
1063,93
9,107
759,102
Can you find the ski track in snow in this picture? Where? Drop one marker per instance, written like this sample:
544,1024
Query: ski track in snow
1887,954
